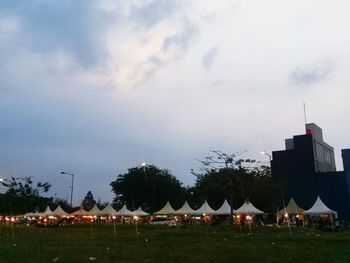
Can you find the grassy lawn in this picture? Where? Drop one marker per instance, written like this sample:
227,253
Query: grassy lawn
195,243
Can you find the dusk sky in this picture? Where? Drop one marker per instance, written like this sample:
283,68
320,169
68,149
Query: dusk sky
96,87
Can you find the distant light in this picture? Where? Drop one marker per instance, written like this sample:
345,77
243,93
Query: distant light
286,215
262,151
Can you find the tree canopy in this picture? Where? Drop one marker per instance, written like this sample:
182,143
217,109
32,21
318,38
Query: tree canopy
17,186
148,187
23,196
88,201
225,176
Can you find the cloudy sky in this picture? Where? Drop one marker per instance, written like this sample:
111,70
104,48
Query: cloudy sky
96,87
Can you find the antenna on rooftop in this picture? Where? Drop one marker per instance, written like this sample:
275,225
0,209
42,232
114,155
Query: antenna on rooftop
304,105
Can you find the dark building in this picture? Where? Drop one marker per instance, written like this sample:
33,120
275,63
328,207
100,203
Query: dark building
306,169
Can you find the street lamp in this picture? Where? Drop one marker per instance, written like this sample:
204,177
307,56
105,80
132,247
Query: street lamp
269,155
71,193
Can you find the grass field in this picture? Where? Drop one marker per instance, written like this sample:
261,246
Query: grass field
195,243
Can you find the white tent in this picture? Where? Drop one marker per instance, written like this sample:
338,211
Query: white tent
291,208
166,210
139,212
80,212
204,209
319,208
38,214
124,211
33,214
185,209
248,209
95,210
58,212
225,209
47,212
108,210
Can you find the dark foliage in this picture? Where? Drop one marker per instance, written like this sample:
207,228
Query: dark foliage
148,187
21,196
224,177
88,201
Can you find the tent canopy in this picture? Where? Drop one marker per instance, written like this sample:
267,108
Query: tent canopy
108,210
319,208
140,212
248,209
166,210
204,209
47,210
80,212
57,212
291,208
124,211
95,210
185,209
225,209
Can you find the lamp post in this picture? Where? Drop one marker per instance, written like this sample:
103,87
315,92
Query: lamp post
269,155
71,193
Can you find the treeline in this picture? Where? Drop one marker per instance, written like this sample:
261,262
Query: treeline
151,187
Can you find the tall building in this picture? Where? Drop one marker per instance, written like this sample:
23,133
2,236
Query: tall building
306,169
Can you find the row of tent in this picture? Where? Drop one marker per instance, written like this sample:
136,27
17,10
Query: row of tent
225,209
205,209
319,208
247,208
95,211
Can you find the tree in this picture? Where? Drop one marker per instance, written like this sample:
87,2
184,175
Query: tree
148,187
22,196
23,187
88,201
226,176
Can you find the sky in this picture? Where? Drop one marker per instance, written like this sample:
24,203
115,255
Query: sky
96,87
